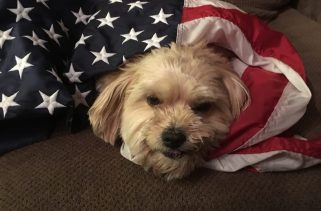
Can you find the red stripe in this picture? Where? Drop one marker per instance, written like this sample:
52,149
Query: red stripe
264,41
308,148
265,89
251,169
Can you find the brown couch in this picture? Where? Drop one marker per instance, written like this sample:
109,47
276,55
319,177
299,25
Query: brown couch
80,172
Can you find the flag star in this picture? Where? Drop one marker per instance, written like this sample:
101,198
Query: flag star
108,20
36,40
161,17
81,17
154,41
82,40
63,27
138,4
102,55
92,17
114,1
53,72
43,2
132,35
21,12
50,102
52,34
6,102
5,35
80,97
72,75
21,64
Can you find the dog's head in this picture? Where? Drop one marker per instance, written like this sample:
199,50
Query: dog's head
169,106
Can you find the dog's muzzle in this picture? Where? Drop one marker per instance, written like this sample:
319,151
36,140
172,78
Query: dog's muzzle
173,138
174,154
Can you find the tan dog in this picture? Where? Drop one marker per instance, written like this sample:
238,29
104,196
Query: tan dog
170,107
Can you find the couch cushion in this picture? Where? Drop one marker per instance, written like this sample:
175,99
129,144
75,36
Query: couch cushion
266,10
305,36
310,8
80,172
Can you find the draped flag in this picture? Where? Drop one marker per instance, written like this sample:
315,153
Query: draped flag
51,52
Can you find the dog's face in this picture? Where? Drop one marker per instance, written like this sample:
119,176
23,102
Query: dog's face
170,107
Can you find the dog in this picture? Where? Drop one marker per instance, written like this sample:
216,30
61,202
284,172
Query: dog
170,106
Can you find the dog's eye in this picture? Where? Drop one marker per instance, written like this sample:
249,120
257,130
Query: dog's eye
153,100
202,107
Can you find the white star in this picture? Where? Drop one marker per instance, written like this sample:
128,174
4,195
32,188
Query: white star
63,27
102,55
5,35
82,40
92,17
154,41
72,75
43,2
36,40
53,72
124,59
6,102
49,102
81,17
114,1
108,20
138,4
132,35
80,97
52,34
21,12
21,64
161,17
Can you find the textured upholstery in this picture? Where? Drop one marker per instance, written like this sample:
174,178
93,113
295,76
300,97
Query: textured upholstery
80,172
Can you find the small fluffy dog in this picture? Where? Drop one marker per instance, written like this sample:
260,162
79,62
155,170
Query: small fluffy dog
170,107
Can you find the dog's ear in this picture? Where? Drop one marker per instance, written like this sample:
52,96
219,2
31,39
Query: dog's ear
238,93
105,113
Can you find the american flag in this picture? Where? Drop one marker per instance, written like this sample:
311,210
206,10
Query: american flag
52,51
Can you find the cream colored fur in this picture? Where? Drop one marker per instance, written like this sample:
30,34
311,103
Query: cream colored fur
181,77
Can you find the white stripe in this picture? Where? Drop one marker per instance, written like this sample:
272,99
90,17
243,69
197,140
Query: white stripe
125,152
238,66
234,162
215,3
224,33
269,161
286,161
297,136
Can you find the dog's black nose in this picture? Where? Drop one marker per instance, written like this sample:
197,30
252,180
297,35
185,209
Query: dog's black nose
173,137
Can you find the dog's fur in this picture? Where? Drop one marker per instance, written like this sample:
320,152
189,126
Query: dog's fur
193,89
